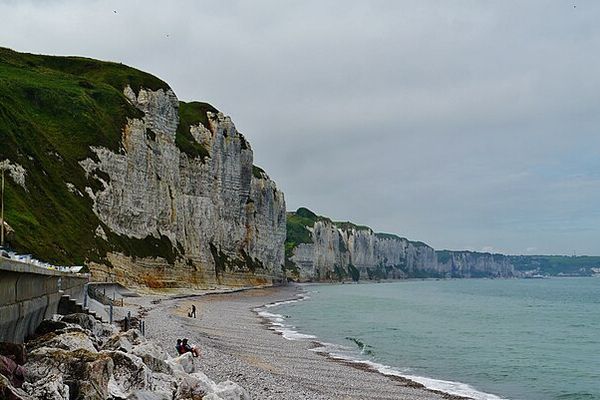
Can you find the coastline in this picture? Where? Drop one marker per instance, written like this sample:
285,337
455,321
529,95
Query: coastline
237,343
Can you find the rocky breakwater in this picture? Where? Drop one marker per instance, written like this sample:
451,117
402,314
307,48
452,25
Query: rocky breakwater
184,188
76,357
319,249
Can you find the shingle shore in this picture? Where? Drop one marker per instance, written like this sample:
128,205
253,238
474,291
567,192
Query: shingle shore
236,344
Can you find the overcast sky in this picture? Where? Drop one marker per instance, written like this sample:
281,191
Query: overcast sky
465,124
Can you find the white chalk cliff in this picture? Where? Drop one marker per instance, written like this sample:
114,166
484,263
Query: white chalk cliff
334,249
223,221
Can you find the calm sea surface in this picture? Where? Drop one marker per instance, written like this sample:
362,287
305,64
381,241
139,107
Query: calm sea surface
509,339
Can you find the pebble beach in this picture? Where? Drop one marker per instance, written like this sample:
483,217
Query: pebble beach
237,344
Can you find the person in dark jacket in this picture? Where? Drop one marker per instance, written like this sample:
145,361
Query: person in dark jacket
192,349
179,347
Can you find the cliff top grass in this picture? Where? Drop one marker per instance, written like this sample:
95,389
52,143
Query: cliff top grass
104,72
297,225
52,109
348,226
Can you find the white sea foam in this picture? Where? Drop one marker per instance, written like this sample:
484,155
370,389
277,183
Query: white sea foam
289,332
276,320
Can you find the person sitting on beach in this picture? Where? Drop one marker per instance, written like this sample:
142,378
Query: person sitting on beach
192,349
179,347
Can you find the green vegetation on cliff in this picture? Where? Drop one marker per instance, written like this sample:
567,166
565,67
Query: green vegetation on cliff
348,226
52,109
191,114
297,229
258,172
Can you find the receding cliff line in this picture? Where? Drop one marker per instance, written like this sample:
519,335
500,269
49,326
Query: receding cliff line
320,249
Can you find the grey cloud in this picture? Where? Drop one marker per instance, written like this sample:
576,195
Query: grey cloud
466,124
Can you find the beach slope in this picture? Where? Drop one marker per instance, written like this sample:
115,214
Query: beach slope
236,344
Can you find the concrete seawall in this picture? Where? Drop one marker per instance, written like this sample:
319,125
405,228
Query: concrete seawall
29,294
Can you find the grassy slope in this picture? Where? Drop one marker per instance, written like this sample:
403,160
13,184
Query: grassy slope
52,109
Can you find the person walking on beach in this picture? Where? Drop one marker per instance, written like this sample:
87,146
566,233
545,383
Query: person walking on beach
193,312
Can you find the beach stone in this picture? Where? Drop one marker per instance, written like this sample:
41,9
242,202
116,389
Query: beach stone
229,390
153,356
14,372
48,325
125,341
88,322
9,392
150,395
71,341
129,374
50,387
164,384
86,373
15,352
183,363
190,387
92,382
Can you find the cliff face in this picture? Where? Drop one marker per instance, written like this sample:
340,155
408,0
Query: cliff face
469,264
107,168
225,223
329,250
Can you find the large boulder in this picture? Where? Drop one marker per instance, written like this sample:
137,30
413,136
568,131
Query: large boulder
153,356
163,385
125,341
129,374
150,395
15,352
91,383
88,322
50,387
14,372
86,373
229,390
190,387
74,340
50,325
197,385
183,363
9,392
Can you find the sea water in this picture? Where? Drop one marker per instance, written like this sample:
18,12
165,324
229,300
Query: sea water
536,339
